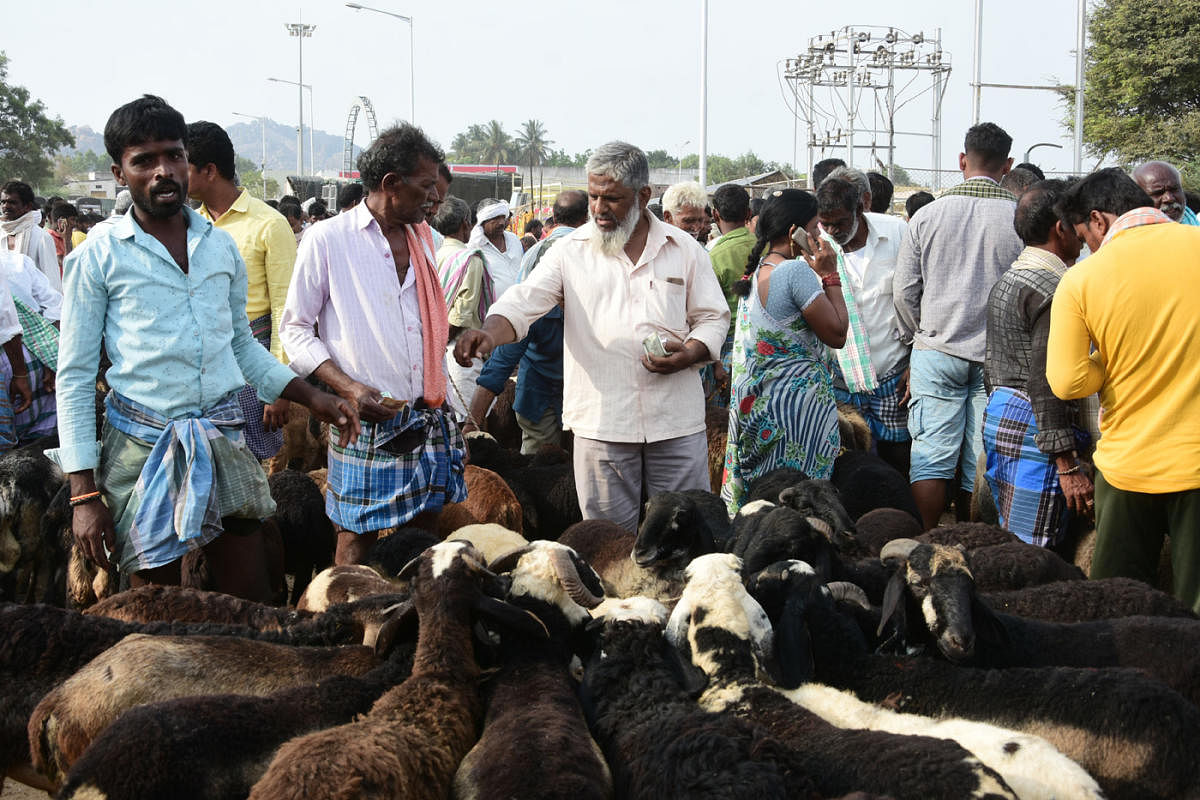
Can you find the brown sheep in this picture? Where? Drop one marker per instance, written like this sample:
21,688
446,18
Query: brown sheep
343,584
144,669
716,428
489,499
305,442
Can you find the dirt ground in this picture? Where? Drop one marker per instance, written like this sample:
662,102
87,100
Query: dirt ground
19,791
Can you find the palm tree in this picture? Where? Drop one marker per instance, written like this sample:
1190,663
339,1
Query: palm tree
533,146
495,147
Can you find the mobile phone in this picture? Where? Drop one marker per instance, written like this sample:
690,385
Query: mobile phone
800,237
653,345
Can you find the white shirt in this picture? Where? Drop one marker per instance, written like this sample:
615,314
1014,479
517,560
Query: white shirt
29,285
610,305
345,281
505,268
39,246
870,269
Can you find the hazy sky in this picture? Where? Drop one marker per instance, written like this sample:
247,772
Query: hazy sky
590,72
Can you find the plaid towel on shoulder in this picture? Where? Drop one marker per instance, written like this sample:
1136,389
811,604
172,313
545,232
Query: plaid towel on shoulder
38,334
454,272
854,357
395,470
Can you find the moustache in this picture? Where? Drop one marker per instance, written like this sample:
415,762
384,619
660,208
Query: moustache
166,187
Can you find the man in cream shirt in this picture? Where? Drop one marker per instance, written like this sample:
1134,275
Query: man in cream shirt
638,419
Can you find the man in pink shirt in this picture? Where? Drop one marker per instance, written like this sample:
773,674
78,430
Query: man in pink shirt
623,279
368,279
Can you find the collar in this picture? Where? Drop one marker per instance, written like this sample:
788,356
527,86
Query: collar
361,216
1146,215
240,204
1036,258
987,178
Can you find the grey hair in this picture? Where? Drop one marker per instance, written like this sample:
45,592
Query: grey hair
484,203
623,163
451,216
687,194
854,176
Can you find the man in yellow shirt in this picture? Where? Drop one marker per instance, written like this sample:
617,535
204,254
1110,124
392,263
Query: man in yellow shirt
1126,322
268,247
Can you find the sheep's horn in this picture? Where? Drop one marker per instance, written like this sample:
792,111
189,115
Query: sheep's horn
508,561
845,590
898,549
568,576
821,525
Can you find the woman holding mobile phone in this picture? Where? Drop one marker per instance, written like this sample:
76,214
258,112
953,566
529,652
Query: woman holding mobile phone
782,411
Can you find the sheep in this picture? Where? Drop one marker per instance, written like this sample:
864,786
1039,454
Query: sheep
491,540
1015,565
73,580
489,499
342,584
658,743
305,443
544,483
535,742
307,533
946,611
416,734
877,528
867,482
1136,737
673,523
156,602
218,746
970,535
390,553
728,635
1080,601
768,485
716,432
28,482
141,668
821,500
853,429
608,548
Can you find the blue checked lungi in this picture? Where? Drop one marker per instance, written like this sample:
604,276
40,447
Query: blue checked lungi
395,470
262,443
881,408
41,418
1023,479
169,482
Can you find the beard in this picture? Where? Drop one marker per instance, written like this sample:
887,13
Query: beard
844,239
1172,209
149,204
610,243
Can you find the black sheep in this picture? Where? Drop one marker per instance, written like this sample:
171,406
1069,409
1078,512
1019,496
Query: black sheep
678,526
1137,737
1015,565
1080,601
28,482
970,535
390,553
308,537
768,485
877,528
867,482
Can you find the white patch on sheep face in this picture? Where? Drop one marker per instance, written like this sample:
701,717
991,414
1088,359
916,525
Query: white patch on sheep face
754,508
800,568
534,576
631,609
715,585
444,554
316,594
929,612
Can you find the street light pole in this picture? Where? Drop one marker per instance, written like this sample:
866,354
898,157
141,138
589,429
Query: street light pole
704,95
300,31
311,128
262,123
1080,60
412,72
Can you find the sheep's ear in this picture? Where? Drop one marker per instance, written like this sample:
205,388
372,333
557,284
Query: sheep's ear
893,602
400,625
677,626
693,679
511,617
989,629
793,661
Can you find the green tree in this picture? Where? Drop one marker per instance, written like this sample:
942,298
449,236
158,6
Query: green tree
1142,81
661,159
532,146
28,138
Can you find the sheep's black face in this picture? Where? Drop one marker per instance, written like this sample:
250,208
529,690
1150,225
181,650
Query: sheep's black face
784,535
667,533
941,583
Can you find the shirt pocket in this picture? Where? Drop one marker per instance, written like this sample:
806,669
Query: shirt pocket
666,303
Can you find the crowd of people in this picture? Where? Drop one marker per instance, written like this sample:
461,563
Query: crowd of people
971,333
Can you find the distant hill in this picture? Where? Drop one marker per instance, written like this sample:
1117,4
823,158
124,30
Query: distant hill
247,142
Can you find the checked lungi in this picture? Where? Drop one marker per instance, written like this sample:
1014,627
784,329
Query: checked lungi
1023,479
881,407
262,443
395,470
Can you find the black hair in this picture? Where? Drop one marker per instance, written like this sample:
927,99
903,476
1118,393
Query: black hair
273,204
988,144
882,190
63,211
838,194
821,169
571,208
783,209
1193,201
22,190
397,150
1037,211
208,143
1034,168
444,171
916,201
349,195
732,203
290,198
655,208
1108,190
534,224
147,119
451,216
1018,180
318,208
290,209
756,204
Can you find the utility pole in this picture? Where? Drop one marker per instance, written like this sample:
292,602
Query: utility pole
1080,50
300,31
704,96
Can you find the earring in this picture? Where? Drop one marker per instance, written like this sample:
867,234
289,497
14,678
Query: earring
792,247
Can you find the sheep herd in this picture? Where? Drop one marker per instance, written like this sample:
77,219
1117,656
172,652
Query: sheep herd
817,645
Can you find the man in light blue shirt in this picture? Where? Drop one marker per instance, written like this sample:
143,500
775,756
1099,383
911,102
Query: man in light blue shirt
166,292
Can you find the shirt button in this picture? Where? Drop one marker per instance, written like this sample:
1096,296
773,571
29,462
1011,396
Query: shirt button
192,293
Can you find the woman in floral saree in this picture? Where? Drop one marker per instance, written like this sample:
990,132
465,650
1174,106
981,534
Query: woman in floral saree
782,411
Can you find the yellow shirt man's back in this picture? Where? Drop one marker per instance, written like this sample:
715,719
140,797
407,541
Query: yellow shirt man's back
1138,299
